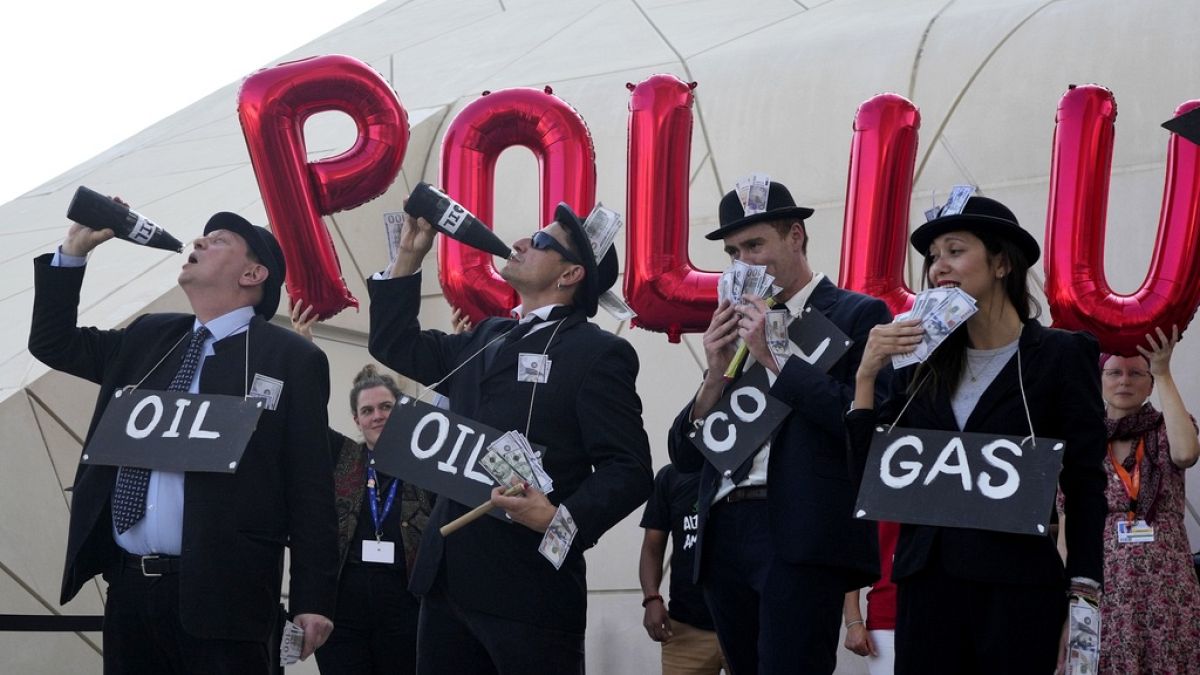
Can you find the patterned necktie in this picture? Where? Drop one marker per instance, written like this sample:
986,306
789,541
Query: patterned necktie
129,495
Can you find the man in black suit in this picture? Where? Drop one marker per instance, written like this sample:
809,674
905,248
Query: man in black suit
491,601
778,547
194,561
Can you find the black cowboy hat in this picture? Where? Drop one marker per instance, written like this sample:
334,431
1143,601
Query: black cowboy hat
598,278
780,206
265,248
979,215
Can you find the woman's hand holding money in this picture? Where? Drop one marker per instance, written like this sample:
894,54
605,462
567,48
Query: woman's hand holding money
530,508
416,238
886,339
752,329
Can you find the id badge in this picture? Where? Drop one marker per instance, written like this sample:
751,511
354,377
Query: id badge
378,551
533,368
1137,532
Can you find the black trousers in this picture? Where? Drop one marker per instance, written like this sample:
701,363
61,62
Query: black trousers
771,616
949,625
457,641
374,625
143,634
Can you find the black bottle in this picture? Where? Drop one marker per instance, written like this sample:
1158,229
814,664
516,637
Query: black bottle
94,210
450,218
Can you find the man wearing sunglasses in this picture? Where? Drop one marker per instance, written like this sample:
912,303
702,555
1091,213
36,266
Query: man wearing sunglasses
490,600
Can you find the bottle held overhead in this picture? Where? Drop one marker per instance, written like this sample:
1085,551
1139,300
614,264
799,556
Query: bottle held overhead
94,210
450,218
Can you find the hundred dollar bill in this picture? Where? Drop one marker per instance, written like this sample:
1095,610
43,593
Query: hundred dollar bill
777,333
1083,638
760,185
754,280
291,645
742,187
556,542
510,450
393,223
601,228
959,195
737,281
534,461
500,470
614,305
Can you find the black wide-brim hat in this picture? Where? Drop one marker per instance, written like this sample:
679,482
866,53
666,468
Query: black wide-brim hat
598,277
265,248
980,215
780,206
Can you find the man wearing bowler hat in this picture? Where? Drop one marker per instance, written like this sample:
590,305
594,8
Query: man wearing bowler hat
492,602
194,561
777,545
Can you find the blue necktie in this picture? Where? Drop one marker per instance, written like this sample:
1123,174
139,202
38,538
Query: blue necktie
129,495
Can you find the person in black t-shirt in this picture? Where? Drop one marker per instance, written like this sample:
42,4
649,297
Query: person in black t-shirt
685,628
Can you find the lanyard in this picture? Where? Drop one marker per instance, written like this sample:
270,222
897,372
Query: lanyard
1133,484
373,496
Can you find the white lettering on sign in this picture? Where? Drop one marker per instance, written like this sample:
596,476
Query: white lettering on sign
952,460
196,431
131,428
1012,481
448,465
452,218
711,441
443,430
470,471
956,450
759,399
913,468
815,355
155,403
440,423
173,432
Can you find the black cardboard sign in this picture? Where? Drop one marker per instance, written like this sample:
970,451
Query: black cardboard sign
821,342
740,423
439,451
957,479
173,431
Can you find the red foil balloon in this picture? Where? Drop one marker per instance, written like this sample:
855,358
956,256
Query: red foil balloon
883,154
273,105
1076,288
558,137
661,284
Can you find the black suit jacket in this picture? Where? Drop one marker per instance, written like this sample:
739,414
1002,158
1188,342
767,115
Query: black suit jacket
234,526
587,415
1062,385
810,492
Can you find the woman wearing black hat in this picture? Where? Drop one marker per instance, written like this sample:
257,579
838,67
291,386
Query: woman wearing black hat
973,600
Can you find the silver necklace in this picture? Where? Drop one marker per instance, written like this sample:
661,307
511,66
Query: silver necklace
971,371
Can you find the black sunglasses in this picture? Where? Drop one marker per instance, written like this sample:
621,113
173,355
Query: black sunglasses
542,240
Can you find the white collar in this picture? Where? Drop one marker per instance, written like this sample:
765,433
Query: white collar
542,313
796,303
227,324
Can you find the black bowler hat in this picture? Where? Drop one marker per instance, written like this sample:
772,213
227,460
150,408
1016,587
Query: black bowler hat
780,206
598,278
265,248
980,215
